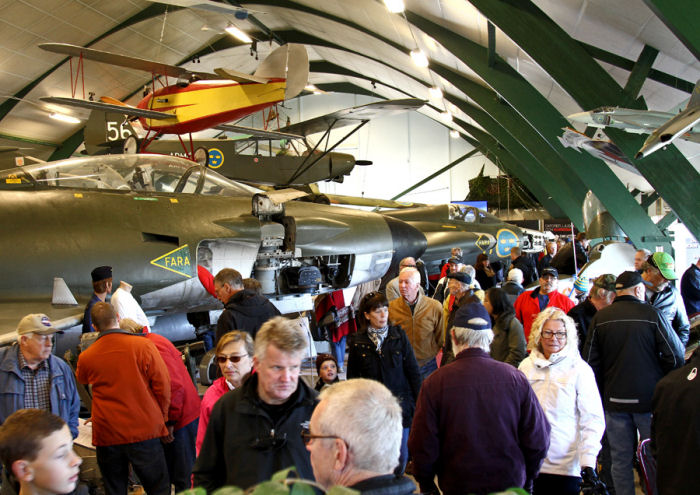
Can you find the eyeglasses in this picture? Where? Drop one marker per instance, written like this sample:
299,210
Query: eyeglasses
307,437
548,334
42,338
233,359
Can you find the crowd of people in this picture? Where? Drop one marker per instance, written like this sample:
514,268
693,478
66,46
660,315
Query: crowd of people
475,387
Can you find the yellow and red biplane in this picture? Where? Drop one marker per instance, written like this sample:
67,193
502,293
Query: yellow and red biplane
198,100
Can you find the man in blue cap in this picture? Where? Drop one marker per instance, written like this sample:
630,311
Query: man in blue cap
478,424
101,286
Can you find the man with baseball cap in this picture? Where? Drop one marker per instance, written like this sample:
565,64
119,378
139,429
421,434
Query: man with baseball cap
630,347
32,377
101,286
478,424
601,295
531,302
657,272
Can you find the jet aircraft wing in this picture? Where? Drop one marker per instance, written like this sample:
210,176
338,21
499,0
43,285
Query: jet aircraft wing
107,107
353,116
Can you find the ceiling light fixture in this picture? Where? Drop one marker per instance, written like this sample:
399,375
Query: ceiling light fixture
238,34
435,93
313,89
454,134
419,58
394,6
446,116
64,118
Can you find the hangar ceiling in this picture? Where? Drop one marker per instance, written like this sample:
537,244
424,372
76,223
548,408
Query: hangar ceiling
510,70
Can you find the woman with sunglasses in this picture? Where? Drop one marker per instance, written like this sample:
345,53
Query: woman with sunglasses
566,388
383,353
234,356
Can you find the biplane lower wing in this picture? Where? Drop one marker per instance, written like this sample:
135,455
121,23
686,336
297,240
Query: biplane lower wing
107,107
257,133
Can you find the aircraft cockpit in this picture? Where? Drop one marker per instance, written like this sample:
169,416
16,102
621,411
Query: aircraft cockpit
469,214
147,173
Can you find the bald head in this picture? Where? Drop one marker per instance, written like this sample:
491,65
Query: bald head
104,316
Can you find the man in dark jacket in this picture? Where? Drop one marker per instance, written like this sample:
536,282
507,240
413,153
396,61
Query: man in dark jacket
525,263
478,424
354,438
243,309
630,347
690,289
563,261
601,295
255,430
657,273
676,402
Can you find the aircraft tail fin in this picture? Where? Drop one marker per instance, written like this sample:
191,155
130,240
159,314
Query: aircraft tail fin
61,293
695,97
105,132
289,62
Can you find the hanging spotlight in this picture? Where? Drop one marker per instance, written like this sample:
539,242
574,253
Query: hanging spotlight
394,6
238,34
454,134
419,58
64,118
435,93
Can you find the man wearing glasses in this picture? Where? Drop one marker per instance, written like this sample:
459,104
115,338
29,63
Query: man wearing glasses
255,430
32,377
354,438
630,347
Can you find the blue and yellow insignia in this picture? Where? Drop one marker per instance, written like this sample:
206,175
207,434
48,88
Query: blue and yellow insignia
216,158
505,240
177,261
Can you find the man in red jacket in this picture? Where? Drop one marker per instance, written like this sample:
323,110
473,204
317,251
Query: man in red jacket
131,397
531,302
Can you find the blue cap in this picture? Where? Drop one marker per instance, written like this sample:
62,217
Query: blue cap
468,317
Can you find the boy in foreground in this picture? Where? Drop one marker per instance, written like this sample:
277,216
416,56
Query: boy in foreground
36,449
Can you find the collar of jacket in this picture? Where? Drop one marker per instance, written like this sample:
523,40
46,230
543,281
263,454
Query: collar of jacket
627,298
390,335
251,399
536,292
473,352
118,330
10,361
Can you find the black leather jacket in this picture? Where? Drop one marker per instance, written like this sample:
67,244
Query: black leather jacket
669,302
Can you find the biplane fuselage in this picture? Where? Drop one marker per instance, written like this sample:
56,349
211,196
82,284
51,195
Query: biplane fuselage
204,104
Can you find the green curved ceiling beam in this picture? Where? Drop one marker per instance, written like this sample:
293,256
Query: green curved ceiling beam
152,10
681,17
588,83
547,121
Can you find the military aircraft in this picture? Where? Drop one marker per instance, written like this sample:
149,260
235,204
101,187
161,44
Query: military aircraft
199,100
256,160
663,126
599,148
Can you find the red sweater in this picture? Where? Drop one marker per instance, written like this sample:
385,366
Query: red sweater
527,306
130,388
184,398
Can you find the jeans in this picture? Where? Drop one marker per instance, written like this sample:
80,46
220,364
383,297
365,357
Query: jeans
621,429
338,351
147,459
180,456
427,369
403,453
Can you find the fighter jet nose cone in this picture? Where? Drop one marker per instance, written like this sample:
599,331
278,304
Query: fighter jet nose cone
639,155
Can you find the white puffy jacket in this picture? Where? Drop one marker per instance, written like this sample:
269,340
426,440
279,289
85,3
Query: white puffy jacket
566,388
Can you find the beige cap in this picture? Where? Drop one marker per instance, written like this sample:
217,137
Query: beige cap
37,323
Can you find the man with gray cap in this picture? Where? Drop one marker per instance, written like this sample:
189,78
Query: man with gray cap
101,286
32,377
630,347
478,424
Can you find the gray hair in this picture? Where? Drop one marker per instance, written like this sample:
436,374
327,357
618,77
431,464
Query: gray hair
601,293
466,337
516,275
229,276
644,251
552,313
367,416
283,334
415,274
469,270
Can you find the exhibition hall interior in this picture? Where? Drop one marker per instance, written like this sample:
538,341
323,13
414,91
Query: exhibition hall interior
350,246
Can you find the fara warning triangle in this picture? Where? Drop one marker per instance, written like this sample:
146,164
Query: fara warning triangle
178,260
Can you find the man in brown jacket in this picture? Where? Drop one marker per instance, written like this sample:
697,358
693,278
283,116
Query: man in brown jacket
131,397
421,318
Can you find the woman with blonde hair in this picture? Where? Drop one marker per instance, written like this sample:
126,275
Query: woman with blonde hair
566,388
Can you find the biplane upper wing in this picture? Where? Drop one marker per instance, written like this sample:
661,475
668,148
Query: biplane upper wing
353,116
107,107
257,133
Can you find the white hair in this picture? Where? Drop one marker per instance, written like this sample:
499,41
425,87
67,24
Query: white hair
415,274
367,416
516,275
552,313
466,337
469,270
